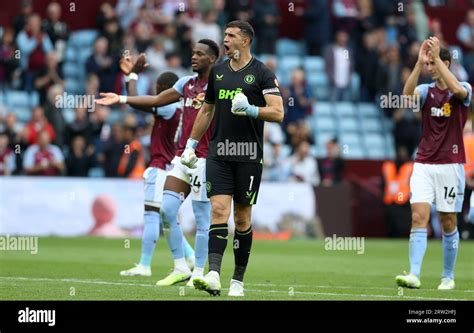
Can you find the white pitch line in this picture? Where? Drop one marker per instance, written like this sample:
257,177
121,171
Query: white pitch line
338,287
251,290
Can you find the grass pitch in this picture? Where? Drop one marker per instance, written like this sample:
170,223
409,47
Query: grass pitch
87,268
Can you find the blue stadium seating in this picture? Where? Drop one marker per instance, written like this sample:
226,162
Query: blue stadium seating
325,124
289,47
349,124
83,38
313,64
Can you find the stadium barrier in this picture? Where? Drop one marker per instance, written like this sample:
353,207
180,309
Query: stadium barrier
44,206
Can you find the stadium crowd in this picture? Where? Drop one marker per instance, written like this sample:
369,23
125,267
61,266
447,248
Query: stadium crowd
372,38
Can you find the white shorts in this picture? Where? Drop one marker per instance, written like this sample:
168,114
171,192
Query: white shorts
441,184
194,177
154,183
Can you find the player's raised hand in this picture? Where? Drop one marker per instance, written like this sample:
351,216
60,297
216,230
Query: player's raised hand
188,157
126,65
108,99
434,46
241,106
140,64
423,52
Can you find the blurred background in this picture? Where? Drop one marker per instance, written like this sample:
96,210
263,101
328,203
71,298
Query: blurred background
323,167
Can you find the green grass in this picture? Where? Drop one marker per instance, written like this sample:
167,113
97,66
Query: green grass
295,270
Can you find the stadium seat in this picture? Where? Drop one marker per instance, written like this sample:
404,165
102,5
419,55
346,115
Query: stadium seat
350,139
374,141
17,98
325,124
68,115
321,92
72,70
322,137
322,109
317,79
73,86
344,109
376,153
83,38
287,46
348,124
368,110
313,64
371,125
353,152
23,115
82,55
289,63
96,172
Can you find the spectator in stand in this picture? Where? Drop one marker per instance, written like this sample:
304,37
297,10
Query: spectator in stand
407,33
101,130
207,28
10,123
79,126
368,59
80,158
33,45
388,75
345,14
43,158
7,156
173,64
407,124
92,85
19,21
126,11
111,151
465,35
47,76
8,62
396,188
298,132
238,10
339,67
303,166
266,21
317,26
53,114
106,12
103,65
300,99
143,30
331,168
155,56
184,34
56,29
37,124
114,35
132,162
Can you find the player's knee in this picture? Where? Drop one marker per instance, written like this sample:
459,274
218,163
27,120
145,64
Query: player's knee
170,207
220,212
419,220
448,221
242,224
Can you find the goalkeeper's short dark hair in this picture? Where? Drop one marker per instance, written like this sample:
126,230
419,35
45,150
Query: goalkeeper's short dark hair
167,79
245,28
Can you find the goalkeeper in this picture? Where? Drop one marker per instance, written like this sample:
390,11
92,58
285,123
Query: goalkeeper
242,93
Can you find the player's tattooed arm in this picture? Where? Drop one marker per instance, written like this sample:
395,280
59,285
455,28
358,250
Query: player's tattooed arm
203,120
451,81
274,111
